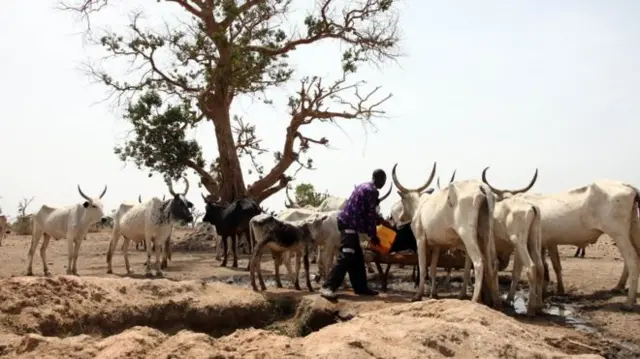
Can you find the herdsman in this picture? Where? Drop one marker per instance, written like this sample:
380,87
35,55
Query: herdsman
359,215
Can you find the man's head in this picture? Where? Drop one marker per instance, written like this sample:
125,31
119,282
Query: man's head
379,178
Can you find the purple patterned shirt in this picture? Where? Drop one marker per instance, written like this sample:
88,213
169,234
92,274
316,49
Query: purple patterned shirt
359,213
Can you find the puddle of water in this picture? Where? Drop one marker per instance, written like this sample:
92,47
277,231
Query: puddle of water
566,312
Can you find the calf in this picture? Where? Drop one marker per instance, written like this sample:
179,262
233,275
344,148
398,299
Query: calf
280,237
151,222
231,220
4,227
71,222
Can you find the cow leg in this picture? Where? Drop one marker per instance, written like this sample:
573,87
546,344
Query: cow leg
277,261
166,253
386,276
43,254
255,261
577,252
225,245
76,251
149,240
466,277
435,255
422,263
218,243
518,261
234,248
35,238
582,252
70,250
305,263
447,281
557,267
470,236
630,257
296,279
125,250
158,246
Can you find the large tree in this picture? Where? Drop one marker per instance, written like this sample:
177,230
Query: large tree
191,72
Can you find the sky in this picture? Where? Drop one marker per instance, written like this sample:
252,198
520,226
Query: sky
515,85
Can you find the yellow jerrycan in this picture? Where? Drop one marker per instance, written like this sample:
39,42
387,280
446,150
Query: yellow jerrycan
387,236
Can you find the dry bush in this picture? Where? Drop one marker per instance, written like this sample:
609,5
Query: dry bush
24,223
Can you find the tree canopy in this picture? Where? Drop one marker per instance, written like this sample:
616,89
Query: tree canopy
306,195
192,72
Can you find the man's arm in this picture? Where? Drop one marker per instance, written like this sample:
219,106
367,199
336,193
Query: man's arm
371,213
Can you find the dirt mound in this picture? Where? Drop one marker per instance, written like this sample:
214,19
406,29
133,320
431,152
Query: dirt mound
67,305
129,318
201,238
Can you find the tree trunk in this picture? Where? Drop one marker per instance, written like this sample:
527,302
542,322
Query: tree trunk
232,186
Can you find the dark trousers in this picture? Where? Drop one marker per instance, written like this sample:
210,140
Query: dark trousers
350,260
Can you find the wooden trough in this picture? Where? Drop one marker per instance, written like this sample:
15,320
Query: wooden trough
449,259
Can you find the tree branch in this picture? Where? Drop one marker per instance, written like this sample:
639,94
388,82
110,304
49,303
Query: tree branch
313,103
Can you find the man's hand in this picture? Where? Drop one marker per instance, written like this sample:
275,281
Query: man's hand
375,240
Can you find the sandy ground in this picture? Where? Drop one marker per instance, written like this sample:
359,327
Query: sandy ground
200,310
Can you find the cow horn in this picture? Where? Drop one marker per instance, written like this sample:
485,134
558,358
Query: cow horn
453,176
103,192
82,194
186,185
139,198
171,191
513,192
163,196
419,189
204,198
292,203
386,195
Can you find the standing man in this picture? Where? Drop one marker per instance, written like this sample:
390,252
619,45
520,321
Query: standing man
359,215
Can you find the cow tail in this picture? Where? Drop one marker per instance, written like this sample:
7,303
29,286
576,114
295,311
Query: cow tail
490,244
635,222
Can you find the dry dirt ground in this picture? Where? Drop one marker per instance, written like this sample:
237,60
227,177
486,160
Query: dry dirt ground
200,310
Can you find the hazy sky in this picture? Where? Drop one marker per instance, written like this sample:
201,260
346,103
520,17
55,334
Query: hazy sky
511,84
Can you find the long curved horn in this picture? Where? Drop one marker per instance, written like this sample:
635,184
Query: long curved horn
82,194
386,195
139,198
292,203
186,185
403,189
103,192
453,176
171,191
513,192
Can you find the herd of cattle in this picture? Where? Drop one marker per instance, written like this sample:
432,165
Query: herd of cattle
485,222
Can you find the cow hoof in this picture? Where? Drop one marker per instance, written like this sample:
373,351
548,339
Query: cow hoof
234,265
159,274
30,273
47,274
310,289
109,271
279,285
463,297
148,275
297,287
263,287
626,307
617,290
416,298
223,264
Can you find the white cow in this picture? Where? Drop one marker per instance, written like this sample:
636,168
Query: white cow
4,227
71,222
580,216
152,222
517,225
461,214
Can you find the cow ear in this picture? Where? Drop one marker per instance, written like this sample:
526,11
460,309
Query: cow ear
189,204
85,204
